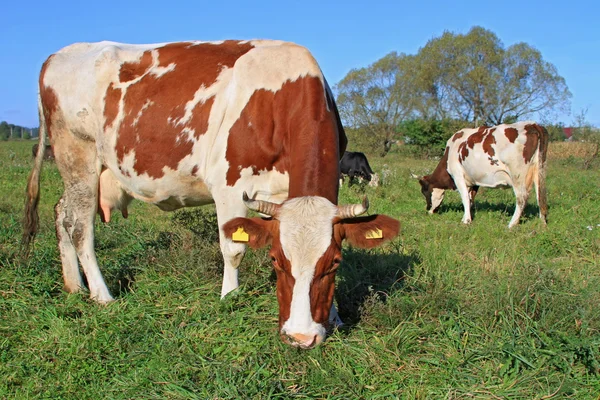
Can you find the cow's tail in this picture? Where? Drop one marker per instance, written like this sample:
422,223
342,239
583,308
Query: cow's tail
541,186
31,217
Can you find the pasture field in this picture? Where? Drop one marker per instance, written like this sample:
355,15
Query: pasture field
444,311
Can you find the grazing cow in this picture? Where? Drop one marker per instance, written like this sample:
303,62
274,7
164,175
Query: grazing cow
48,153
505,155
354,164
191,123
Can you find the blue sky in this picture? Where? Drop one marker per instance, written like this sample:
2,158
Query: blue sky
341,34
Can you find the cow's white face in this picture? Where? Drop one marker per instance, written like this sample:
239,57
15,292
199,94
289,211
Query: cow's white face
437,196
306,235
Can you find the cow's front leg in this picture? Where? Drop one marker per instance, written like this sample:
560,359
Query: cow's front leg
233,253
465,196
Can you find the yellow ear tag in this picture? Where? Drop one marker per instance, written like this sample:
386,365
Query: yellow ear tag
240,235
374,234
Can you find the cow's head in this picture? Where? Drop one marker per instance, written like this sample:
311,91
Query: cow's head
433,196
306,234
365,175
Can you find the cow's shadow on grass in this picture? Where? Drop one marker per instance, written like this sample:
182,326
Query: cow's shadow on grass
504,208
120,269
367,273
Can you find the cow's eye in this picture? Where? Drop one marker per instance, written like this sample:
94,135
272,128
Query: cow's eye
276,264
335,265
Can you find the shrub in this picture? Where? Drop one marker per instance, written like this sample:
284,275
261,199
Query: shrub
201,221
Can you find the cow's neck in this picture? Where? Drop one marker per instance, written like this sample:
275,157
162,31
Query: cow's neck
314,162
440,178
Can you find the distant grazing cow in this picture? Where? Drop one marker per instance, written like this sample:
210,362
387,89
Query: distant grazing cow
48,153
243,124
504,155
354,164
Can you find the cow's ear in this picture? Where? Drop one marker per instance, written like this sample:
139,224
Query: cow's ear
368,232
255,232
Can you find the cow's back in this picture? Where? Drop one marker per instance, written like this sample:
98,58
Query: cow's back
491,156
162,114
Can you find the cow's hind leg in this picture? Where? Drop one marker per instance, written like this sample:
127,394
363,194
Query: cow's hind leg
521,193
68,254
75,215
540,194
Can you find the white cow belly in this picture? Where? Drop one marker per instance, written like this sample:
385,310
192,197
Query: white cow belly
487,175
169,194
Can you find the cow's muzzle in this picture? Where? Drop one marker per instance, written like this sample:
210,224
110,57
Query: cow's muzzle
302,341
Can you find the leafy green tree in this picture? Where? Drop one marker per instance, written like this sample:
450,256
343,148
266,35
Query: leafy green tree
375,99
473,77
556,132
4,130
585,132
430,135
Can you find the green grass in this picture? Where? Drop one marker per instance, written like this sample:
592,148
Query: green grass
443,311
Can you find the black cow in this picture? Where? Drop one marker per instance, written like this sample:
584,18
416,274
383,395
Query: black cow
48,153
354,164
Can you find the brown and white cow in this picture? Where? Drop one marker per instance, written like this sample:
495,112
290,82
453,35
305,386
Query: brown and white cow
499,156
190,123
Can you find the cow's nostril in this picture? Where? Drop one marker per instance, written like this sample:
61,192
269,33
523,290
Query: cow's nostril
311,344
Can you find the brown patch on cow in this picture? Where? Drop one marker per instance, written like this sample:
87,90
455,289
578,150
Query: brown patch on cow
485,136
322,286
290,131
132,70
283,270
463,151
200,115
476,137
531,142
511,134
195,170
111,105
253,140
457,136
285,287
154,105
488,142
48,97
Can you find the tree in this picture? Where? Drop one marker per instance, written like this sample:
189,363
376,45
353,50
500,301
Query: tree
4,130
375,99
585,132
430,135
473,77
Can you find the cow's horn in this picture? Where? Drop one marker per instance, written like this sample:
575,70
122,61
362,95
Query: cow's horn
414,176
352,210
261,206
